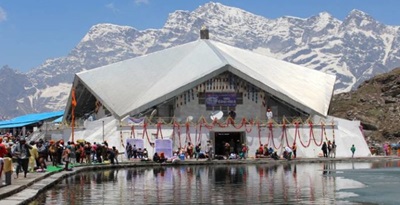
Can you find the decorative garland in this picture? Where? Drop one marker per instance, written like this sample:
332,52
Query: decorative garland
133,132
324,131
273,143
271,133
173,131
248,127
188,138
297,132
159,130
251,126
199,137
179,135
195,135
285,133
312,132
147,134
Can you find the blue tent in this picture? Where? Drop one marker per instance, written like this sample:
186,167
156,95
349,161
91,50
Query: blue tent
30,119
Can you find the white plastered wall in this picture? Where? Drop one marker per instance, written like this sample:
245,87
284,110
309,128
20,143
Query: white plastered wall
345,134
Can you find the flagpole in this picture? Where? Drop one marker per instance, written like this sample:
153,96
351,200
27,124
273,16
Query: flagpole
73,103
73,123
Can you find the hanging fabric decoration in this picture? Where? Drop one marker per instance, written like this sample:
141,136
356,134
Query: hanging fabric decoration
271,133
188,138
312,135
133,132
179,135
324,131
251,127
297,133
147,134
204,121
284,132
216,121
195,135
199,138
280,145
159,130
173,130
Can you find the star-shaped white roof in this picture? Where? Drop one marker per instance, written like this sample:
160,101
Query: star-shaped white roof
134,85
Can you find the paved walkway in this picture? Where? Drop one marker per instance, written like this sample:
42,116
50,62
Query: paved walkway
25,190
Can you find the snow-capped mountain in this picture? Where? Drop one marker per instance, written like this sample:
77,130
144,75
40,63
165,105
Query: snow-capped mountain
354,49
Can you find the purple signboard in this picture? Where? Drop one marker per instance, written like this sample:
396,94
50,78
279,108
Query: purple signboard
138,142
220,99
164,145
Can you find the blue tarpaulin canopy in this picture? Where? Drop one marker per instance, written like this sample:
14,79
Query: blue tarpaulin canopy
30,119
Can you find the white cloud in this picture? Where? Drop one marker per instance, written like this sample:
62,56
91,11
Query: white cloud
3,15
112,7
142,2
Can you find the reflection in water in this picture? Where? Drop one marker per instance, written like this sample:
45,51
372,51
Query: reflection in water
227,184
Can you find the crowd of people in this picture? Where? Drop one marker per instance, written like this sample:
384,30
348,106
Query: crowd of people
134,152
191,151
36,156
329,149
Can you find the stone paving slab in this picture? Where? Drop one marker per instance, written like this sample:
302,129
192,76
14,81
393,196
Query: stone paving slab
10,202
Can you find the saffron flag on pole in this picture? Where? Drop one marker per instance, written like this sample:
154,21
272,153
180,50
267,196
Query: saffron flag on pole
73,103
73,98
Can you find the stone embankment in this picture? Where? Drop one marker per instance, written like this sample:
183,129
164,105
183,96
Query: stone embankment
26,190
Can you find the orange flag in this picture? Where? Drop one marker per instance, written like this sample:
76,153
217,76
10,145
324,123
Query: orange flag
73,98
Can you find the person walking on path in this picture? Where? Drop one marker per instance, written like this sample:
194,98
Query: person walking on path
333,151
353,149
66,157
22,153
34,157
116,153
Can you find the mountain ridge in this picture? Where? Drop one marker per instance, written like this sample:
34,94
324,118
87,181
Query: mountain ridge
355,49
376,103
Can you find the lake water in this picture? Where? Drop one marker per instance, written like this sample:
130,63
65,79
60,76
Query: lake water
314,183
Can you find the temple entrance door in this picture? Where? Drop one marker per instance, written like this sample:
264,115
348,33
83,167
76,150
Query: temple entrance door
235,139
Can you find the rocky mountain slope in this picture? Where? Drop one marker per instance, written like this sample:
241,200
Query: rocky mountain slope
354,49
376,103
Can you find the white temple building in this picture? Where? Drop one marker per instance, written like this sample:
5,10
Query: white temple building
168,98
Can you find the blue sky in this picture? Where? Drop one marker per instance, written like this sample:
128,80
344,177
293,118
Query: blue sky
33,31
